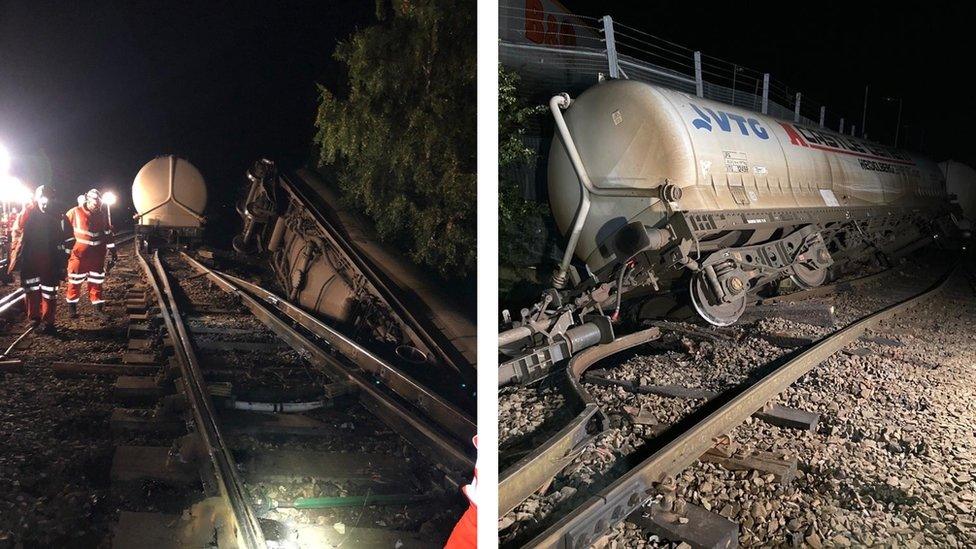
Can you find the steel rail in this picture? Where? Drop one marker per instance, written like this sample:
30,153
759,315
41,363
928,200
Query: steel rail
529,474
13,297
584,524
448,416
422,329
247,529
457,453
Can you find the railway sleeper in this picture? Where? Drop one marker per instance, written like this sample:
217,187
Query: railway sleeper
782,467
694,525
198,526
773,414
134,464
139,421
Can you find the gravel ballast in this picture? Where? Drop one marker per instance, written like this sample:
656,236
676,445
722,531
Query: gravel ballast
892,461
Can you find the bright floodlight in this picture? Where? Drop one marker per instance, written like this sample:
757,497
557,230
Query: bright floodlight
14,190
23,194
4,160
109,198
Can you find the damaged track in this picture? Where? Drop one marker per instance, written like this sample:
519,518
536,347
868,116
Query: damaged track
186,419
673,452
420,480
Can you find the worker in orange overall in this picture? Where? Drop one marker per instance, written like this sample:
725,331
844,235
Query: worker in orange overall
465,533
93,237
37,255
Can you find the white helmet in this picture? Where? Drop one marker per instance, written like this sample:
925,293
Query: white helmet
42,197
95,197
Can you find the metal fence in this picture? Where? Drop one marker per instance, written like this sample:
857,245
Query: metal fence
579,51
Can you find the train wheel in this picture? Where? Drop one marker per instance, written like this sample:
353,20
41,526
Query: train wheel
806,278
712,308
241,247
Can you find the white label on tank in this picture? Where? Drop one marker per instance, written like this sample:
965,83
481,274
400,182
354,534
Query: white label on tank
736,162
617,118
829,198
759,170
753,196
706,166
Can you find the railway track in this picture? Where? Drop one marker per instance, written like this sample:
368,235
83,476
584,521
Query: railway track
447,458
647,472
236,418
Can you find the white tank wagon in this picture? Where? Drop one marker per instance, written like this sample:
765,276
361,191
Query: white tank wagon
169,195
328,261
660,192
961,181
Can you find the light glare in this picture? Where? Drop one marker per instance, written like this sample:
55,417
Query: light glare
13,189
109,198
4,160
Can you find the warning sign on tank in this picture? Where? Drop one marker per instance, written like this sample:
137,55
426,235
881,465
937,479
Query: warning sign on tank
829,198
736,162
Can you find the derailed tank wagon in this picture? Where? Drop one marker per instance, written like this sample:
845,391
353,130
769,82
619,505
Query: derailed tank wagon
661,193
326,260
170,195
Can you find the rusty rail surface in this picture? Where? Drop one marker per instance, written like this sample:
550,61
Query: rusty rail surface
587,522
522,479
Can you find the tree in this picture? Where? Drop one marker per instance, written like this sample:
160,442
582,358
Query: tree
403,138
521,223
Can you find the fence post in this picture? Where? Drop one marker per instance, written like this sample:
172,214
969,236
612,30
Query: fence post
796,108
765,96
699,85
611,47
841,126
823,115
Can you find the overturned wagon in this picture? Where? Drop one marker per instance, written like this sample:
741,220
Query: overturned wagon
328,262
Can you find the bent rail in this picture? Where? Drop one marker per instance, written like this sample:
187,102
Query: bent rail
614,503
451,434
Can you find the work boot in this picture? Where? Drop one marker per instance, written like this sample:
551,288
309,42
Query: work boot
72,310
100,311
33,324
49,328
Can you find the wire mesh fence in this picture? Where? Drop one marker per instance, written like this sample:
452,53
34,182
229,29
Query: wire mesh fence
574,52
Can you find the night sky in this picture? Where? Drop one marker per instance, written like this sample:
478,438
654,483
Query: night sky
89,91
921,52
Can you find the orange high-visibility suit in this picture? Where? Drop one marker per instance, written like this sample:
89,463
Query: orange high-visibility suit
36,253
465,533
93,236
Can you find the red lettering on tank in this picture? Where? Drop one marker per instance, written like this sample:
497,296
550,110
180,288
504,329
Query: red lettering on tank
795,137
535,30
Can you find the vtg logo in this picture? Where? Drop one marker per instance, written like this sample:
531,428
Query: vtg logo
724,121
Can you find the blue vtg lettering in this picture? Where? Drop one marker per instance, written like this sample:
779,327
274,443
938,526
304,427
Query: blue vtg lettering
707,118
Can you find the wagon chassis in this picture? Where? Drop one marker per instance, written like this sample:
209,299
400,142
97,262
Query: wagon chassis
812,243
